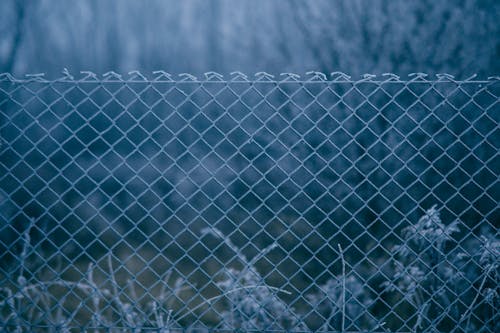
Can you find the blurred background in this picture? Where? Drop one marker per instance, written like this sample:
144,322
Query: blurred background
195,36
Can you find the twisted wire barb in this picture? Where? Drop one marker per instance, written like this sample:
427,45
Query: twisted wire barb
317,76
187,77
67,76
89,76
214,76
162,76
419,76
369,77
340,76
40,77
391,77
445,77
290,76
136,75
238,76
264,76
112,76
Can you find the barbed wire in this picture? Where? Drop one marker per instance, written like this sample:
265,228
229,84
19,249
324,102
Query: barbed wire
237,76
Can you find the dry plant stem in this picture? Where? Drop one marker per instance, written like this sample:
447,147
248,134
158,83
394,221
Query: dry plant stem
471,306
96,316
21,280
343,287
233,291
115,295
24,255
163,289
161,324
421,305
34,287
131,287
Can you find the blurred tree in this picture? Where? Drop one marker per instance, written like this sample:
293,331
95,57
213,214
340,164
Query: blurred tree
13,16
460,36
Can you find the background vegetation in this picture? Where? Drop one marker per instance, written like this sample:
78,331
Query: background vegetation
195,36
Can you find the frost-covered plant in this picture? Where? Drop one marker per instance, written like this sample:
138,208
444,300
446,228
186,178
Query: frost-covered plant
25,303
486,300
32,302
424,274
130,313
252,305
341,300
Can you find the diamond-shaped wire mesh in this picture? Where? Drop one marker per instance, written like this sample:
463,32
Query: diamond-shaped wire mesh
137,205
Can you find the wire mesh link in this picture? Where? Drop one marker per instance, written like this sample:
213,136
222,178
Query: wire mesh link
163,203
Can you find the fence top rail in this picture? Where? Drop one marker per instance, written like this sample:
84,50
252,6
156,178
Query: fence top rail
239,77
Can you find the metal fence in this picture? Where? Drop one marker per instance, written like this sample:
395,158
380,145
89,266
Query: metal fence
315,203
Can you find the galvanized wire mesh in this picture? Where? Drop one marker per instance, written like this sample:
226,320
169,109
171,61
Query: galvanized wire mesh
255,204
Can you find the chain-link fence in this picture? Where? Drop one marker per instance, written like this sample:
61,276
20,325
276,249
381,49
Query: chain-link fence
165,204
